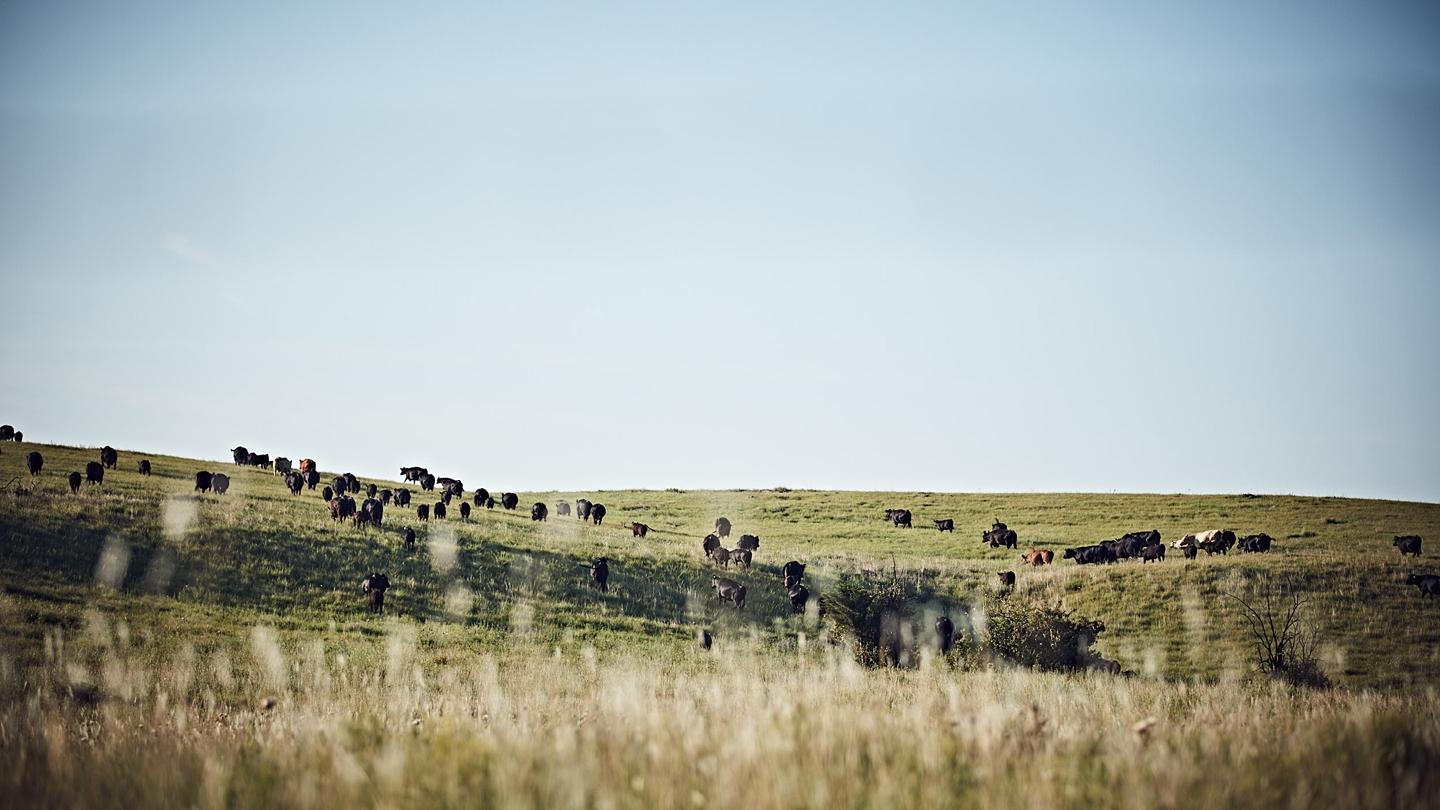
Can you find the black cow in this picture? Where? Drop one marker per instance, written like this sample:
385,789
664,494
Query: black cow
241,456
109,457
799,596
709,544
74,479
352,484
328,494
639,530
749,542
600,573
413,473
340,485
722,527
742,556
791,573
597,513
946,525
402,497
1408,544
481,495
1255,543
1154,553
445,496
143,467
95,473
1150,537
1190,551
721,555
1007,579
409,537
898,517
294,482
259,459
1091,555
438,510
371,490
374,588
1429,584
1220,543
386,496
34,462
342,508
464,512
539,512
728,590
283,466
1000,535
19,437
7,433
427,482
220,483
562,508
945,634
489,503
375,510
510,500
582,509
423,512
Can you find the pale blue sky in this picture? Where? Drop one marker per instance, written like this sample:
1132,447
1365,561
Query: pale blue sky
1083,246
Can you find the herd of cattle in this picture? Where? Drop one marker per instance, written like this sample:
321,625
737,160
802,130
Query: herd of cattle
303,474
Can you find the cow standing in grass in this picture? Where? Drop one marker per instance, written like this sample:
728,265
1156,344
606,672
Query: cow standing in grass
944,634
74,480
220,483
374,588
1429,584
539,512
639,530
728,590
791,573
34,462
203,480
597,513
945,525
109,457
722,527
600,573
144,467
1408,544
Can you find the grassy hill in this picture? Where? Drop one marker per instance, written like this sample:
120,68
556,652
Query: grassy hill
140,602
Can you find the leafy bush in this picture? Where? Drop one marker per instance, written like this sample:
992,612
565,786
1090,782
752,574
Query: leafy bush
876,613
1040,636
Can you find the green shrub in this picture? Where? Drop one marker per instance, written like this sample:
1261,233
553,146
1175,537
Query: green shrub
1039,636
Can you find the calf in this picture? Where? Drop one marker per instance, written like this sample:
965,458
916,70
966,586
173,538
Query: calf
438,510
464,512
799,596
728,590
74,482
1038,557
327,494
562,508
749,542
1007,579
144,467
639,530
1408,544
1255,543
374,588
791,573
423,512
946,525
1429,584
1154,553
600,573
409,537
741,556
721,555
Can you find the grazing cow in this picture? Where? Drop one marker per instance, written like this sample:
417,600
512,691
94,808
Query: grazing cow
1408,544
1150,537
481,495
1007,579
294,482
600,573
374,587
427,482
386,496
109,457
259,460
34,462
489,503
799,595
1155,553
1000,535
241,456
750,541
1091,555
1219,543
597,513
409,537
945,634
721,555
143,467
709,544
328,494
1255,543
742,556
7,433
423,512
562,508
74,479
639,530
413,473
438,510
1429,584
539,512
728,590
582,509
510,500
282,465
946,525
722,527
312,478
464,512
898,517
307,465
1127,546
220,483
204,480
373,508
1038,557
402,497
791,572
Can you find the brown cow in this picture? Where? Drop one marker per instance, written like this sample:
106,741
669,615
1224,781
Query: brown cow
639,529
1038,557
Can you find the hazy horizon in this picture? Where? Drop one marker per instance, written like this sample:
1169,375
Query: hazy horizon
920,247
